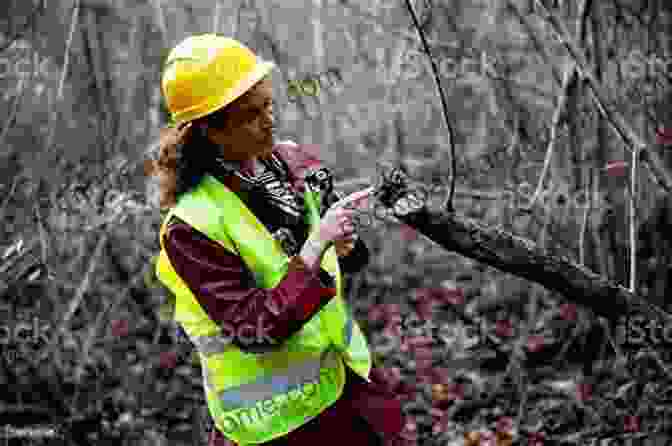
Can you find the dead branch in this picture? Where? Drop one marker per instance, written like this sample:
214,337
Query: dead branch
508,253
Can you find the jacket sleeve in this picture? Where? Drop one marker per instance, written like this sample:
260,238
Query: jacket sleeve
223,285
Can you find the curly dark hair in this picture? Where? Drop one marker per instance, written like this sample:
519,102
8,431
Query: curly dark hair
183,157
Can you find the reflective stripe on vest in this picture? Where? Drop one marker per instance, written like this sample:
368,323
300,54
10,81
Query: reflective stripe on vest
265,387
235,381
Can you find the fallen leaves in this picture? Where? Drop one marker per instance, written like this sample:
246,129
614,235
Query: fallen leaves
631,423
584,391
664,136
168,359
504,328
535,343
617,169
568,312
119,328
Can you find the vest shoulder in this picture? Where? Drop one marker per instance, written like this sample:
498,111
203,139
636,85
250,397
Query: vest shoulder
198,207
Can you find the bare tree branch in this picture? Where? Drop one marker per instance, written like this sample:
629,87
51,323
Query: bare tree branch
448,205
509,253
558,114
71,33
627,134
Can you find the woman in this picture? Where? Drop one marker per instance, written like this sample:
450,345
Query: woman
255,268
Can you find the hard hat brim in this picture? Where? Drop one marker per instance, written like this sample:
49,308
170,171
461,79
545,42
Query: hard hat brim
260,70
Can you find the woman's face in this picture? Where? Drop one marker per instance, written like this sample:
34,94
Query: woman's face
248,129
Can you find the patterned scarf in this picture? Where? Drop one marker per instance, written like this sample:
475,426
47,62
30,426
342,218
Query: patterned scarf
270,196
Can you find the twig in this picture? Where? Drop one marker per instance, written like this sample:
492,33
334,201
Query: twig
555,124
582,234
9,196
633,220
448,205
15,108
633,141
43,233
66,61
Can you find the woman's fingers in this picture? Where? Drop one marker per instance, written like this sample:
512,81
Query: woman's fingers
345,212
355,197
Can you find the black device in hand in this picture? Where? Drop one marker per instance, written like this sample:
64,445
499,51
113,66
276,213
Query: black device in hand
322,180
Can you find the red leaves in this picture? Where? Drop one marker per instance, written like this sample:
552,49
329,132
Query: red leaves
487,439
447,392
385,313
503,328
427,298
584,391
501,437
425,309
535,343
389,377
504,425
440,420
631,423
504,431
617,169
168,359
568,312
535,439
423,357
664,136
442,294
414,343
408,234
410,431
376,313
390,315
119,328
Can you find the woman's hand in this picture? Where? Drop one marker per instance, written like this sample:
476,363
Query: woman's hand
337,221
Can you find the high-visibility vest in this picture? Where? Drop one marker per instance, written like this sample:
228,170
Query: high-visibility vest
257,397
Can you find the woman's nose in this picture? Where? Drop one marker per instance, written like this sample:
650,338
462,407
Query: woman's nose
269,119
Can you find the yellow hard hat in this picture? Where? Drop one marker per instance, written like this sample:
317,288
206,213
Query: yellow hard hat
206,72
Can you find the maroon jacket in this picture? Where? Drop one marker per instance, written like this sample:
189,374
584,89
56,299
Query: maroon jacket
223,286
